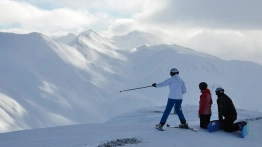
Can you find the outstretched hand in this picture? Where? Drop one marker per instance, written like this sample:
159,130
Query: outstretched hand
154,84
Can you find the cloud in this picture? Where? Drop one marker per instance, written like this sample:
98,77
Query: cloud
29,17
13,12
228,44
234,14
227,29
172,14
122,26
59,18
96,5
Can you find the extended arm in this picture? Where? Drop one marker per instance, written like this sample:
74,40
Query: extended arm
163,84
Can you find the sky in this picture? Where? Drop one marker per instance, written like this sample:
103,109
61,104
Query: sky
228,29
136,129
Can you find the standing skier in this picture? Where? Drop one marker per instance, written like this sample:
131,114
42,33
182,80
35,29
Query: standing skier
227,110
176,90
205,103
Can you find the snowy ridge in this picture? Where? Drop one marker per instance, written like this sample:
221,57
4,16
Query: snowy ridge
93,40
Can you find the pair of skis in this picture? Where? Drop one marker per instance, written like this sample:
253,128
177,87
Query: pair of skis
170,126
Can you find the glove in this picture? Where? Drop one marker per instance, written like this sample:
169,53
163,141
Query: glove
154,84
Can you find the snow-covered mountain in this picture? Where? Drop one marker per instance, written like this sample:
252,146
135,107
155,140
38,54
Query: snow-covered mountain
46,83
136,129
136,38
68,39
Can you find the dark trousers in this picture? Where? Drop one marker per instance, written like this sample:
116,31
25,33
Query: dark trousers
229,125
204,120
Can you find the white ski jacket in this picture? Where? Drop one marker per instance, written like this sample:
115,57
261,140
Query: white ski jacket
176,87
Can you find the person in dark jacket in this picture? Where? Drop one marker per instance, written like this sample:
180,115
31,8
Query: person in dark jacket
227,110
205,103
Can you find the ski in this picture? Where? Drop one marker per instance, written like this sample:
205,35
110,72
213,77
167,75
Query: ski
193,129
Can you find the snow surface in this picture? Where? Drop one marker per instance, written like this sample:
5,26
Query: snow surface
46,83
136,129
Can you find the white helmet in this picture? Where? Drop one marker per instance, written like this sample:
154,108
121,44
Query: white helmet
173,71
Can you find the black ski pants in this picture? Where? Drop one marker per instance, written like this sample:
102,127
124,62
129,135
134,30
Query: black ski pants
204,120
229,125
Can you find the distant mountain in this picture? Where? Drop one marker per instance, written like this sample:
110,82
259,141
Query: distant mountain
91,39
88,38
135,39
45,83
68,39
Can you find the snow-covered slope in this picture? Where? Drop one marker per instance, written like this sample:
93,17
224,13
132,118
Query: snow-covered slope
46,83
136,39
136,128
240,80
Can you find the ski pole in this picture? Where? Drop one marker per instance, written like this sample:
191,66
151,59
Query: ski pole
135,88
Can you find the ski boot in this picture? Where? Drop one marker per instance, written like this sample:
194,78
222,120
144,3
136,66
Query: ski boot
160,126
184,125
241,125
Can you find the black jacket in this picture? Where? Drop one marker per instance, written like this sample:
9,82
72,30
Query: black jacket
226,107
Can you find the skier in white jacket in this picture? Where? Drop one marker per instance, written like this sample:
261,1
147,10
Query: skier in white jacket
176,90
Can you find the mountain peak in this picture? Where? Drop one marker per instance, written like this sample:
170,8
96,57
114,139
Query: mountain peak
136,38
68,39
88,33
70,35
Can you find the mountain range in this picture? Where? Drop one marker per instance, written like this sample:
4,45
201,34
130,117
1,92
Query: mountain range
76,79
